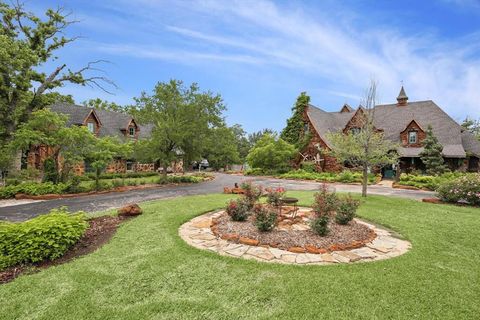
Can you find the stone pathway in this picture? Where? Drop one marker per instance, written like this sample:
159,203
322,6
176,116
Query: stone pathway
198,234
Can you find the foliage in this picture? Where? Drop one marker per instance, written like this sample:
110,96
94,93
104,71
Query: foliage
472,126
33,189
308,166
465,188
366,148
48,129
103,105
265,218
254,137
242,142
50,173
260,172
238,210
115,175
347,207
222,148
325,201
271,153
274,196
30,45
103,151
44,237
346,176
319,225
29,174
432,154
251,193
184,179
294,133
183,119
428,182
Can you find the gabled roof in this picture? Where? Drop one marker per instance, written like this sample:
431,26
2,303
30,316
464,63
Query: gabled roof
346,108
112,123
393,119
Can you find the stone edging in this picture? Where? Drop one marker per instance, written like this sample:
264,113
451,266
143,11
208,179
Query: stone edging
198,233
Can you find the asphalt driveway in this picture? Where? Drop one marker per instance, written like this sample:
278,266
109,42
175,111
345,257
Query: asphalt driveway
118,199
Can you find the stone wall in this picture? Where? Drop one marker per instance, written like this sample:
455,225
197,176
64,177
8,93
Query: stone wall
144,167
117,166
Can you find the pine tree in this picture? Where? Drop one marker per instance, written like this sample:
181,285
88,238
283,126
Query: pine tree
432,154
293,133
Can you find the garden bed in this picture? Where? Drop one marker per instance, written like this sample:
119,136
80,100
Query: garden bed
295,234
99,232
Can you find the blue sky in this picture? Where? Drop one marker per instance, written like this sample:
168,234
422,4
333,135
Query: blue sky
259,55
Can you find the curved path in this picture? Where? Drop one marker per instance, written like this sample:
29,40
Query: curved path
118,199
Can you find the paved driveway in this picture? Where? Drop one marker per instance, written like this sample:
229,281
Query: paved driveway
115,200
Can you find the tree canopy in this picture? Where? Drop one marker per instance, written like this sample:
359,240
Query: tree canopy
28,43
294,132
271,153
182,118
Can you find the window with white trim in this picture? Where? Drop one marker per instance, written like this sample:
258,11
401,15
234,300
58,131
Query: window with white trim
412,137
355,131
91,127
131,131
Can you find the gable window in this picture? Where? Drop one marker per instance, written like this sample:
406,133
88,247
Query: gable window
355,131
91,127
131,131
412,137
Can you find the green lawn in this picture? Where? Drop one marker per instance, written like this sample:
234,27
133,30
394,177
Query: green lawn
148,272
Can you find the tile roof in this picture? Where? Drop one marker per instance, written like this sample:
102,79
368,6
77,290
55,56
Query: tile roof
112,123
393,119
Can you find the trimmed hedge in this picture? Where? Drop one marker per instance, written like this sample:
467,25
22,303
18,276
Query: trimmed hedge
45,237
345,176
428,182
33,189
127,175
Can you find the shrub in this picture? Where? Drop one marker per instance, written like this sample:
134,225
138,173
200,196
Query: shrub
325,201
184,179
308,166
118,183
274,196
465,188
45,237
252,192
265,218
238,210
347,207
428,182
319,225
74,185
50,173
346,176
33,189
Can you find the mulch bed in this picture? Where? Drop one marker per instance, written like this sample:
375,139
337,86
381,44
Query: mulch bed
340,237
100,231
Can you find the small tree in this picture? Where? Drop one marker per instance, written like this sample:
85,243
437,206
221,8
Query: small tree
68,145
431,155
222,148
366,148
103,151
271,153
294,131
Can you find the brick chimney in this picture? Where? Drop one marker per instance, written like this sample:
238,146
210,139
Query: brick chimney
402,98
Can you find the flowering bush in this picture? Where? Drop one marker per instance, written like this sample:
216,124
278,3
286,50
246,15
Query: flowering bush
346,210
265,218
466,188
238,210
274,196
251,192
326,201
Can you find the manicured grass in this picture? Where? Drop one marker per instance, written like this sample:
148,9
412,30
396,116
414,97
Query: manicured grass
148,272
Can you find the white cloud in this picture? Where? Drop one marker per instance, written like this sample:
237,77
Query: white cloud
319,45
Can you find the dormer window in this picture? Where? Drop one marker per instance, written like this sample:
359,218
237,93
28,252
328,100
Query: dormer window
354,131
412,137
91,127
131,131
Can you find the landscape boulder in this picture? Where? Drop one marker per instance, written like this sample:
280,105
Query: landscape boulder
130,210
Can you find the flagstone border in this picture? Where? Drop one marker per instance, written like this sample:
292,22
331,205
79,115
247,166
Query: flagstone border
198,233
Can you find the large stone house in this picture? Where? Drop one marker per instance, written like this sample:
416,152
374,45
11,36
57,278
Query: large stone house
404,123
101,123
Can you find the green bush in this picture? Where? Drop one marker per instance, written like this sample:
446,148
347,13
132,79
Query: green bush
47,236
50,173
319,225
261,172
126,175
265,218
308,166
33,189
325,201
184,179
347,207
465,188
428,182
346,176
238,210
118,183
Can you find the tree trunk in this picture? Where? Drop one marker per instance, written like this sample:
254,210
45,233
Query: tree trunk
365,180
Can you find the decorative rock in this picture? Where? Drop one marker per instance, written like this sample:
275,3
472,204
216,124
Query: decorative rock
238,252
364,253
297,249
312,249
349,255
262,253
327,257
230,236
130,210
302,259
289,258
248,241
